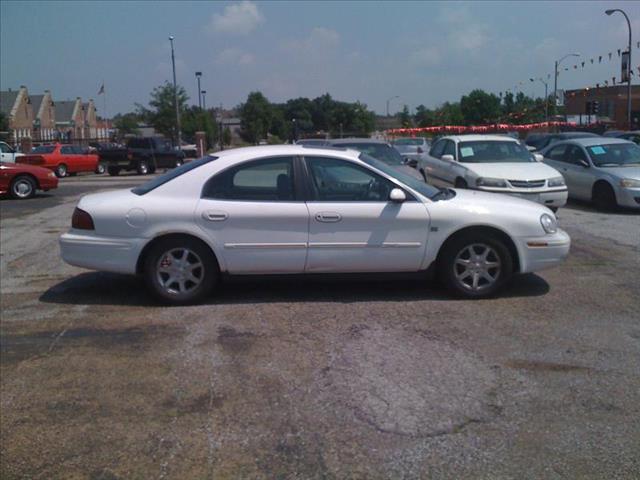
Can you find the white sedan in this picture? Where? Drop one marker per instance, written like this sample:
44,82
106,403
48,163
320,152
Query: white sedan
302,210
493,163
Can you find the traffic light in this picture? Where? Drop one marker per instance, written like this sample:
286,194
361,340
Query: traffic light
595,107
587,108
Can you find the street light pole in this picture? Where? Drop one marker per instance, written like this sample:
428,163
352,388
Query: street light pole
611,12
546,97
198,75
388,100
555,79
204,103
175,93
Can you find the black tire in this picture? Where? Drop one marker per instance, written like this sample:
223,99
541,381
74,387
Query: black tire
22,187
164,251
113,170
142,168
100,168
179,162
604,197
553,209
453,274
152,169
461,183
61,171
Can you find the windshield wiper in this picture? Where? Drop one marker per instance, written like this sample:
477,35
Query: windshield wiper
443,194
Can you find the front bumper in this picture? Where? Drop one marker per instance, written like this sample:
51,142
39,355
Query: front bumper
110,254
548,198
628,197
539,253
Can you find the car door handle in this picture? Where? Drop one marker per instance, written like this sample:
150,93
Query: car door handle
328,217
215,216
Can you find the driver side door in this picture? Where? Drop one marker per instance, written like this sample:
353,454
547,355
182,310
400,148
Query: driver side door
354,227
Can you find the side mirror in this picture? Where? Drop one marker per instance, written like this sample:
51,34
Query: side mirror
538,157
448,158
397,196
412,162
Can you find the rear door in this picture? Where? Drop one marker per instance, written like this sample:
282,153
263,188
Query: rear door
353,227
256,216
70,158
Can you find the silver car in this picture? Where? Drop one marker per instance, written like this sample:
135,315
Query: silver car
603,170
412,149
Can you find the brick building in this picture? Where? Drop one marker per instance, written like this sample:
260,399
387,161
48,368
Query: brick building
44,117
70,119
612,104
16,107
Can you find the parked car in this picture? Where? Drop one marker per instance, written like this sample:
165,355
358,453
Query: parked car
62,159
8,154
317,142
494,163
143,155
22,181
603,170
412,149
633,136
291,209
380,150
538,141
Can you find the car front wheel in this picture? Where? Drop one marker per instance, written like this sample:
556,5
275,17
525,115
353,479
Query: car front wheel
180,271
143,167
22,187
476,266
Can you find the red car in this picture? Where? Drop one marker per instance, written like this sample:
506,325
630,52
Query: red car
63,159
22,181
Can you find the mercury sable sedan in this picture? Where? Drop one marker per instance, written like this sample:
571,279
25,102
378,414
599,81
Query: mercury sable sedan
304,210
494,163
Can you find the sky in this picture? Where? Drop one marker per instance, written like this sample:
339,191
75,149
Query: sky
422,52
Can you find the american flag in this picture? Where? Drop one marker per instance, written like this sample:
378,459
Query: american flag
101,91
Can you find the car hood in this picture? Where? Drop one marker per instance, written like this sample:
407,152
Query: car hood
513,171
409,171
622,172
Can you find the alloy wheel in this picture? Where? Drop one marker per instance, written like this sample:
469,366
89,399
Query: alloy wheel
22,188
180,271
477,267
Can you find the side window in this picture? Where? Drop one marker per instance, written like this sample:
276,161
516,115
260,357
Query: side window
260,180
67,150
557,153
4,148
449,148
436,150
335,180
575,155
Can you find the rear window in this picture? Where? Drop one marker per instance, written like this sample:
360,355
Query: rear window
171,174
43,149
379,151
409,141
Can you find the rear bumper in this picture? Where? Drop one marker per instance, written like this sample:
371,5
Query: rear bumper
119,255
539,253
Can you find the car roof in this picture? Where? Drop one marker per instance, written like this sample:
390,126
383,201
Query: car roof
352,140
285,150
477,138
591,141
576,135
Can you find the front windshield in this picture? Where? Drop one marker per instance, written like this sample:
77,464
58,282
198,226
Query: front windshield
171,174
421,187
380,151
486,151
408,141
615,155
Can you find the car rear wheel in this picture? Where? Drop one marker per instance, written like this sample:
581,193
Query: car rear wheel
100,168
461,183
22,187
143,167
180,271
604,197
178,162
61,170
113,171
475,266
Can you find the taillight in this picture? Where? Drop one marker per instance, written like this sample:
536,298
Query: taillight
420,150
31,160
81,220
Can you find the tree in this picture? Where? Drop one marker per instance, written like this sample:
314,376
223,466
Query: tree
405,117
226,136
449,114
194,119
424,117
255,117
161,113
480,107
126,124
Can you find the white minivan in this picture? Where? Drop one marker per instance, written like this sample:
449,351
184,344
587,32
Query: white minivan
8,154
493,163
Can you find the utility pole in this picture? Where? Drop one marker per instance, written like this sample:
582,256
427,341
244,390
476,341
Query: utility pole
388,100
546,98
555,80
204,103
175,94
198,75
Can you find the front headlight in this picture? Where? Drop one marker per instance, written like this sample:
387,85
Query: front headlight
491,182
549,223
630,183
556,182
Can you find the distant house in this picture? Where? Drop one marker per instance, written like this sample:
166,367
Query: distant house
44,117
70,119
16,106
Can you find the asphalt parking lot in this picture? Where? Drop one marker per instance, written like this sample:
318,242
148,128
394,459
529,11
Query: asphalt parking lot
317,379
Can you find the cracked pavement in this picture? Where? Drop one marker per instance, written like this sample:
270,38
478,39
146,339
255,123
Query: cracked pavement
278,379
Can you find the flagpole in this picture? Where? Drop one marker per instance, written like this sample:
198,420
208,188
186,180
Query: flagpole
104,104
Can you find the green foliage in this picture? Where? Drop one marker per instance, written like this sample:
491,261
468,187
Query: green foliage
226,136
274,140
126,124
194,119
161,113
480,107
424,117
255,117
405,117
